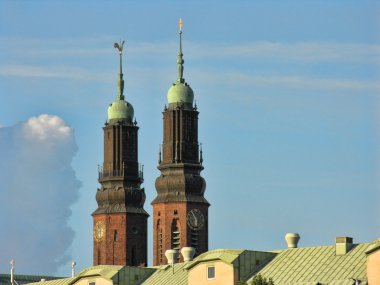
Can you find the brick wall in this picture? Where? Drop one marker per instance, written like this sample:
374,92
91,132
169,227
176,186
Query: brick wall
166,213
124,242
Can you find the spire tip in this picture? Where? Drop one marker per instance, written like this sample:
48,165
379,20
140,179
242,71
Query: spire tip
119,46
180,60
180,23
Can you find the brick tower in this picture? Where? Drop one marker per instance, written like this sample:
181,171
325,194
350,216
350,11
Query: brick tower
180,210
120,221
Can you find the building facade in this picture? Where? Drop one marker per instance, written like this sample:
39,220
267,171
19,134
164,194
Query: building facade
120,221
180,210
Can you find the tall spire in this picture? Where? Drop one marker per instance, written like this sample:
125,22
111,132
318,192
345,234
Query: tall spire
180,60
120,82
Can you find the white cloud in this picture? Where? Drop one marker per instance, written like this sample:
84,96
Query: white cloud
277,51
301,52
67,72
295,52
220,77
46,127
38,188
236,78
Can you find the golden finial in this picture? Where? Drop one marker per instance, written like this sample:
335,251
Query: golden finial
180,25
180,61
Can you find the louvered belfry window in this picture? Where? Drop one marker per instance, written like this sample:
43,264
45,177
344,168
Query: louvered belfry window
159,242
176,237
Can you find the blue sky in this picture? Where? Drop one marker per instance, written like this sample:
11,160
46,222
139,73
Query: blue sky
287,93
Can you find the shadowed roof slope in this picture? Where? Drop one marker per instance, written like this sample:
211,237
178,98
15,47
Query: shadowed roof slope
168,275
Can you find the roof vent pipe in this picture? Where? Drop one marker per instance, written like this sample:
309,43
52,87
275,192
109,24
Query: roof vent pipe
171,256
292,239
188,253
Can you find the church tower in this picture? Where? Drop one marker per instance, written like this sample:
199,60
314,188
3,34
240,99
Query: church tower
120,221
180,210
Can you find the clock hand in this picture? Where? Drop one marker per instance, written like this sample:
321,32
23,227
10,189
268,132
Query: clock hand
195,219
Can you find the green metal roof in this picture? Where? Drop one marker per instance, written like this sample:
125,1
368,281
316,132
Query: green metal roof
251,261
120,110
129,275
295,266
121,275
62,281
180,93
168,275
244,259
225,255
107,271
23,279
310,265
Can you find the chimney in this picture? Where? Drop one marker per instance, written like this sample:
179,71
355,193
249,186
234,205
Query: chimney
343,245
292,239
188,253
171,256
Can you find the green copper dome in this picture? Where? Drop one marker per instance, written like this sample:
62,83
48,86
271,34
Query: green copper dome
180,93
120,109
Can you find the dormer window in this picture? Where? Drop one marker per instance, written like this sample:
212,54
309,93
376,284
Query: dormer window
210,272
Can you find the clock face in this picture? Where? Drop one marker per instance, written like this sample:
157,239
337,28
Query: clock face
195,219
99,231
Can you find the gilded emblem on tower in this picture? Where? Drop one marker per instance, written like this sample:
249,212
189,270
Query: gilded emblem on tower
99,231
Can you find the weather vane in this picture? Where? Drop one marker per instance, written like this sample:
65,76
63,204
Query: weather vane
180,25
119,46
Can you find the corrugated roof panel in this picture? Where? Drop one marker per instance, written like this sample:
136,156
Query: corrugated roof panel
313,264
